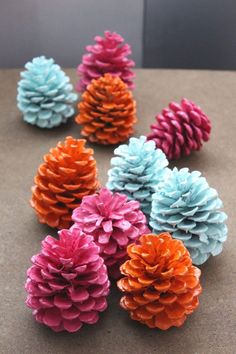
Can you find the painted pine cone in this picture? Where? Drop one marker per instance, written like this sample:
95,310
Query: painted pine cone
180,129
108,55
161,285
114,222
45,94
189,209
68,173
107,111
67,284
137,171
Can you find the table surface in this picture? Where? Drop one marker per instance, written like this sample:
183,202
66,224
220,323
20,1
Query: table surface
211,329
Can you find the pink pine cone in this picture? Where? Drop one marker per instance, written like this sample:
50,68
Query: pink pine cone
67,284
108,55
114,222
180,129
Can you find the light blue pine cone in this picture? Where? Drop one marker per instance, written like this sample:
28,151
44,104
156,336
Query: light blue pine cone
45,94
189,209
137,171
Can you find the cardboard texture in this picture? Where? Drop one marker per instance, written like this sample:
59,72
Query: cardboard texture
211,329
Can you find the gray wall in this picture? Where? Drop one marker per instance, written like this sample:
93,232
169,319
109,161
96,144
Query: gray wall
62,28
177,33
198,34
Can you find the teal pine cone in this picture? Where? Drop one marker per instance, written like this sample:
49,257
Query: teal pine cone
45,94
137,171
189,209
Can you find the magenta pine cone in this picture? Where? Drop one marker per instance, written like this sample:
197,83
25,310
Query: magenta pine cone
67,284
180,129
108,55
114,222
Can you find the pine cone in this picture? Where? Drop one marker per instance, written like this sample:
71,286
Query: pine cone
137,171
114,222
107,111
67,284
68,173
45,95
161,285
189,209
180,129
108,55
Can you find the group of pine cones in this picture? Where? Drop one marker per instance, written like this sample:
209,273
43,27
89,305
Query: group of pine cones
67,284
107,111
105,233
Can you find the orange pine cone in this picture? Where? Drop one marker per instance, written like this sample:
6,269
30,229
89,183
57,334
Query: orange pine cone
68,173
161,285
107,111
